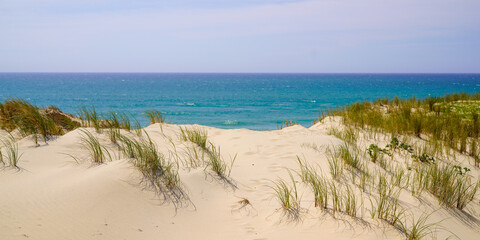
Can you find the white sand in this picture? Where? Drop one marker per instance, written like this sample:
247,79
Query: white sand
53,197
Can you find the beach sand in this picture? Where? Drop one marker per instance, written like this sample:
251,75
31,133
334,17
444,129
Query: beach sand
51,196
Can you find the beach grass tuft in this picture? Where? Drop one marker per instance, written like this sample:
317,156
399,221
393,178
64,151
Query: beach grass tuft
98,153
154,116
162,173
419,228
90,117
11,150
217,163
316,182
287,195
194,135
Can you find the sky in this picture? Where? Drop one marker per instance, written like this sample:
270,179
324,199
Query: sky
315,36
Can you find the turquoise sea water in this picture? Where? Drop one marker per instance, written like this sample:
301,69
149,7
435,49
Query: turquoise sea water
254,101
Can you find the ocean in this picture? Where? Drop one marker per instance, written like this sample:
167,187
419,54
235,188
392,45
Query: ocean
224,100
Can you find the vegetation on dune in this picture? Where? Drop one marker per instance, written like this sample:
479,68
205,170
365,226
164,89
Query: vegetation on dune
451,121
32,120
287,123
154,116
424,135
450,186
90,117
197,136
217,163
10,153
61,119
98,153
161,173
287,195
215,160
419,228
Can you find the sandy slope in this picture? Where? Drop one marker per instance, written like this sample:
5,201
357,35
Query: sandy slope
53,197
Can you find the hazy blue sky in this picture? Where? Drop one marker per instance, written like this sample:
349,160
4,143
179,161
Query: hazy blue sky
240,36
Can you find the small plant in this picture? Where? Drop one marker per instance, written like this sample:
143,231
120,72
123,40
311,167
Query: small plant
393,145
397,176
336,194
419,228
318,185
90,117
460,170
424,158
406,147
350,157
350,202
154,116
194,135
124,121
194,158
349,135
386,206
336,167
112,120
287,123
287,195
217,164
374,152
113,126
152,163
419,180
12,155
452,189
1,156
98,153
138,127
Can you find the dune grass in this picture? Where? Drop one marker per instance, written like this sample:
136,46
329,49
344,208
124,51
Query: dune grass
217,163
124,120
335,166
342,198
419,228
112,120
29,119
155,116
386,205
138,127
194,157
90,117
335,194
12,155
349,155
194,135
287,195
317,183
348,135
452,189
152,163
287,123
98,153
113,125
439,119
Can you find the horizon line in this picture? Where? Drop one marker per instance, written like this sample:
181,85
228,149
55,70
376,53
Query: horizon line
138,72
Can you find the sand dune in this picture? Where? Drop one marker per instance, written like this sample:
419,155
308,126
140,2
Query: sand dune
51,196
